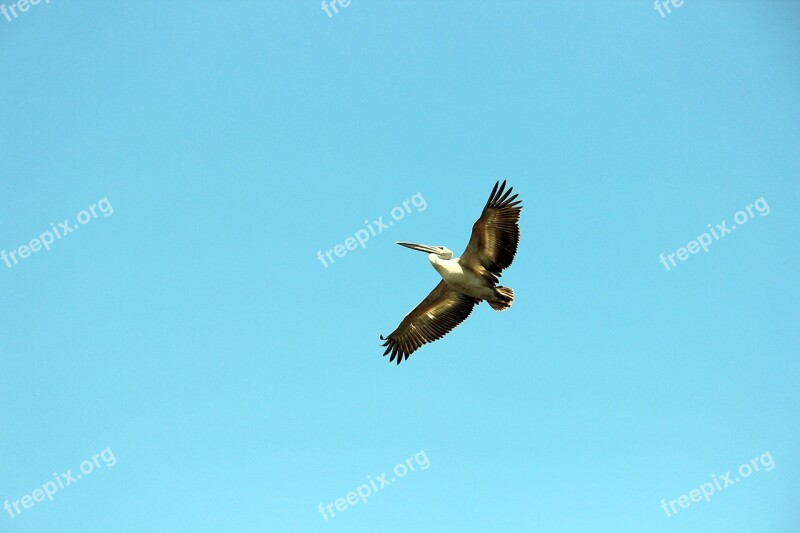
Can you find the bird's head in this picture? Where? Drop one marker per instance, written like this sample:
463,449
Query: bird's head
443,252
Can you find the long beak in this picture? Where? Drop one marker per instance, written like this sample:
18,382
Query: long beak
420,247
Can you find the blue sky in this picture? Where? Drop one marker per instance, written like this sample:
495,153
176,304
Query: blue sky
238,383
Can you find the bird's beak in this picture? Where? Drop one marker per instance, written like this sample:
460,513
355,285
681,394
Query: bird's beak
420,247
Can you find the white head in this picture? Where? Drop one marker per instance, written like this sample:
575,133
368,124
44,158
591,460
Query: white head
442,252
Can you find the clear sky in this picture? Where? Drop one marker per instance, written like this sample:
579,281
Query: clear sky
188,354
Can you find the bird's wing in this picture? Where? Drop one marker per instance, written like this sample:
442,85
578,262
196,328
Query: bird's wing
441,311
495,234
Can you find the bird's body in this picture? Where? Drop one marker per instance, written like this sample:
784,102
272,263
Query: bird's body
466,280
458,278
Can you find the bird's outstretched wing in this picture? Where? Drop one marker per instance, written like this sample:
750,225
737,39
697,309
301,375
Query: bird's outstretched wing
441,311
495,234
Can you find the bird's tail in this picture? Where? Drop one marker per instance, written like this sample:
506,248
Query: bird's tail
503,298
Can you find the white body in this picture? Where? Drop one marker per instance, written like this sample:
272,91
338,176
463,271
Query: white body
463,280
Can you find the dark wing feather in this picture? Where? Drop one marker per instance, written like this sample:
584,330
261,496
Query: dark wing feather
495,235
441,311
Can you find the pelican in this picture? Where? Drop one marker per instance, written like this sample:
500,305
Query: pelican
466,280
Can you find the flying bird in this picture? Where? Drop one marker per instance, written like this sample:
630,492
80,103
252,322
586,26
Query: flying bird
466,280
